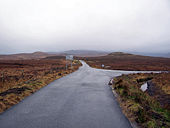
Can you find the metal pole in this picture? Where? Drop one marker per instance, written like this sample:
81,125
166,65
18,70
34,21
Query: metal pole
66,62
66,65
71,64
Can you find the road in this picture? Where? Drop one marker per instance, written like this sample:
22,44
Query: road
82,99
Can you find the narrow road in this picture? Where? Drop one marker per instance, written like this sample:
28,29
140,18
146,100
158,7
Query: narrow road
79,100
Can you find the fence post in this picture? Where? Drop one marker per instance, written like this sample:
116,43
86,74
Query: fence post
22,73
2,74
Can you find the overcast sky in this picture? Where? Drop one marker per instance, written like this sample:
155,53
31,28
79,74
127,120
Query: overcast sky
57,25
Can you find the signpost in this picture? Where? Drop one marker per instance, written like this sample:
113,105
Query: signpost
102,65
69,57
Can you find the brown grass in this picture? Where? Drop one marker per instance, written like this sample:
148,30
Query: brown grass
124,61
20,78
149,109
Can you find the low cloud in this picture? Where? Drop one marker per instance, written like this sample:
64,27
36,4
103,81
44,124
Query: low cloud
117,25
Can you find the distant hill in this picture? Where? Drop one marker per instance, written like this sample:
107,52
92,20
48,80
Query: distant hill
55,57
52,55
126,61
120,54
78,53
86,53
166,55
23,56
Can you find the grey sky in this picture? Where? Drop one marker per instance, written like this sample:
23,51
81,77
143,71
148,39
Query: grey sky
55,25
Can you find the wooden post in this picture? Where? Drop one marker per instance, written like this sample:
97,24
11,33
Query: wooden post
2,75
22,73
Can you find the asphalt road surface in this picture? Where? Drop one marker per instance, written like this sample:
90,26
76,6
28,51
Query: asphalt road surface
82,99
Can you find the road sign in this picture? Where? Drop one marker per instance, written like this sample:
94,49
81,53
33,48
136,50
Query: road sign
69,57
102,65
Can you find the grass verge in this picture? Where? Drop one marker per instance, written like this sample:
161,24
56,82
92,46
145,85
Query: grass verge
149,109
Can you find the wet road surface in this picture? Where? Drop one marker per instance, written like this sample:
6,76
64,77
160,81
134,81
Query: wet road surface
82,99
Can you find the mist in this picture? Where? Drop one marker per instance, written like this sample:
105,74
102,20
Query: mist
107,25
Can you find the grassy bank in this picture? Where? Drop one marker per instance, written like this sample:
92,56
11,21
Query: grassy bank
20,79
150,109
